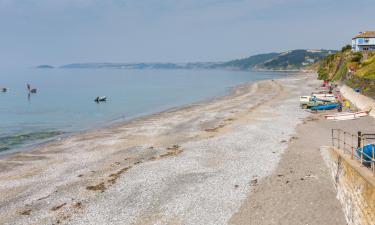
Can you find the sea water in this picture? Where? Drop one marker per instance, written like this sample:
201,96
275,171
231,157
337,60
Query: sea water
64,102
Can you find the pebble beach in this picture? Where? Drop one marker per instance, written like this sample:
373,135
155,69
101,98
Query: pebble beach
190,165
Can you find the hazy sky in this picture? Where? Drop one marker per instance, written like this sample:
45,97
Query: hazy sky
64,31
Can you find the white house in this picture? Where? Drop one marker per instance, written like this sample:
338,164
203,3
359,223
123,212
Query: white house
364,41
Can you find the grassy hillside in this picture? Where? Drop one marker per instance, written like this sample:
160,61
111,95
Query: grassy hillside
247,63
295,60
356,69
290,60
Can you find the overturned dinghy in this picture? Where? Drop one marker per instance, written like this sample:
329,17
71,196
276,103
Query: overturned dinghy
367,153
324,107
347,115
100,99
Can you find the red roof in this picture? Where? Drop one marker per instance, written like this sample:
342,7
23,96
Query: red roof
366,34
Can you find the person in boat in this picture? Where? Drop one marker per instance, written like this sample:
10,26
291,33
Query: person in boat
100,99
31,90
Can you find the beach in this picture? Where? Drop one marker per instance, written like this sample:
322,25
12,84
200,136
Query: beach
204,163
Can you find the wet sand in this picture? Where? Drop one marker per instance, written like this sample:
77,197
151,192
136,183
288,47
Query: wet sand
192,165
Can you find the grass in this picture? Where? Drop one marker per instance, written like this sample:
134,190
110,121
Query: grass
340,72
367,68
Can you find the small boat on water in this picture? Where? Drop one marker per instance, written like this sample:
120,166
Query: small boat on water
31,90
100,99
347,115
325,107
3,90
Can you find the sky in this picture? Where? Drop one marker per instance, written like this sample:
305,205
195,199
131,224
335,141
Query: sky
58,32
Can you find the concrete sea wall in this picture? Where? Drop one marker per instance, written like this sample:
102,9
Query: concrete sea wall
355,186
360,101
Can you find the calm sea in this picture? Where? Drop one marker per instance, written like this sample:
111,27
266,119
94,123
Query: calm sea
64,102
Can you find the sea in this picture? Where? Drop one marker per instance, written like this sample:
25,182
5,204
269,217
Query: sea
64,103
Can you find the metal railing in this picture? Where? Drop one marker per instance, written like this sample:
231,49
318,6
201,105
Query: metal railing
355,145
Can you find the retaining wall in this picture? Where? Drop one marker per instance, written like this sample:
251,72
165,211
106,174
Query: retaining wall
360,101
355,186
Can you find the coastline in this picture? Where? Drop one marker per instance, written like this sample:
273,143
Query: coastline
202,142
112,122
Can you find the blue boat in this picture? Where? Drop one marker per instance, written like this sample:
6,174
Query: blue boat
367,152
325,107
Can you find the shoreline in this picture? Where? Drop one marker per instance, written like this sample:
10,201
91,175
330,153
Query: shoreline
208,145
123,120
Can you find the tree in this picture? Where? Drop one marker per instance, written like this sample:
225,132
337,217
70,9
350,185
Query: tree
346,48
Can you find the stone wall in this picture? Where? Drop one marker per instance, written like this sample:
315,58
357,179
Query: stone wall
360,101
355,186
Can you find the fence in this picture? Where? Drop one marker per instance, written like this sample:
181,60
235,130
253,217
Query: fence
358,146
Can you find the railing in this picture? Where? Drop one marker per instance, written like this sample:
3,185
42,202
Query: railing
354,145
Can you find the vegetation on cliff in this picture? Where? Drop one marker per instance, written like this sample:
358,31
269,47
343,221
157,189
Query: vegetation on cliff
290,60
356,69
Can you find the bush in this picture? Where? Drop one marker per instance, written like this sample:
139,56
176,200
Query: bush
346,48
367,86
357,57
322,73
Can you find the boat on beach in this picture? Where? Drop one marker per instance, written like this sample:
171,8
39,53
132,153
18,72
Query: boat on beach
347,115
324,97
367,153
324,107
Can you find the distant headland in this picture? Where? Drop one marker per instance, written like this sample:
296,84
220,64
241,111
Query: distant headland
45,67
299,59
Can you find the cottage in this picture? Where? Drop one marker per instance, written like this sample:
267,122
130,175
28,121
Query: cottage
364,41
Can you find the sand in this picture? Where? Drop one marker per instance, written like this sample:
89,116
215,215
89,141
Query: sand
198,164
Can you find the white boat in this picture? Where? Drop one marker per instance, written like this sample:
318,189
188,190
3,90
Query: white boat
304,99
325,97
100,99
347,115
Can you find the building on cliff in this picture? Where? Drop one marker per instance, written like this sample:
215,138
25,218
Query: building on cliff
364,41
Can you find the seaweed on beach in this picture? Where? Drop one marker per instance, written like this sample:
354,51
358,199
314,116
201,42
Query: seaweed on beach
172,151
99,187
26,212
215,129
55,208
115,176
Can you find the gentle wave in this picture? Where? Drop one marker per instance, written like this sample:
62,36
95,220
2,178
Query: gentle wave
12,141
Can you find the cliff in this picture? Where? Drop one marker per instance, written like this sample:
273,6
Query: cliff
355,69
